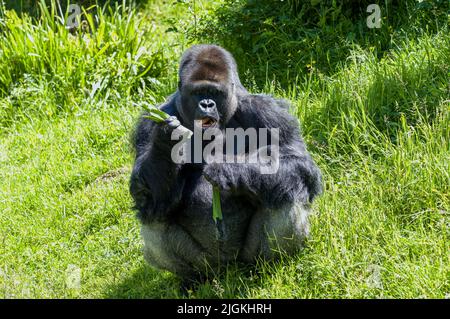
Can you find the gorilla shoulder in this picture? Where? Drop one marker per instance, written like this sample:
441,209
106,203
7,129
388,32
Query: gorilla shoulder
261,110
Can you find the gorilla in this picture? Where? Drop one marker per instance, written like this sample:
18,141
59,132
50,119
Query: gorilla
263,214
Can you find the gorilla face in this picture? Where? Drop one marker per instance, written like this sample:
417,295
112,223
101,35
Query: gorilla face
204,102
206,91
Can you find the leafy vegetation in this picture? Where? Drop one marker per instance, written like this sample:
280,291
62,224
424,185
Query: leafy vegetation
374,105
285,40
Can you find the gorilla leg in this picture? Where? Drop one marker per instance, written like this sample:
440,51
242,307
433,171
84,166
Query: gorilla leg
273,232
169,247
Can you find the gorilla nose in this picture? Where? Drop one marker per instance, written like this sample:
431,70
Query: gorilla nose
207,104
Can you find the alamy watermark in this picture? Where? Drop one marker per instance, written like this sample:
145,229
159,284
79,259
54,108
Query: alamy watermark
250,146
374,20
73,19
73,277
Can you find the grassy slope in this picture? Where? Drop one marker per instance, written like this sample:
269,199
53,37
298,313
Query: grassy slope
379,130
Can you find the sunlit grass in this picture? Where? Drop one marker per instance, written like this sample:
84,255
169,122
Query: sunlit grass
378,127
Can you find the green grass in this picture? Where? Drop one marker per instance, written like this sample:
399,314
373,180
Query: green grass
376,118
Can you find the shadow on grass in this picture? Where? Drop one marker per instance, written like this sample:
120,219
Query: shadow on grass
407,88
233,281
286,40
148,283
144,283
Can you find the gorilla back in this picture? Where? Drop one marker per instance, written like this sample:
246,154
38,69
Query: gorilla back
263,214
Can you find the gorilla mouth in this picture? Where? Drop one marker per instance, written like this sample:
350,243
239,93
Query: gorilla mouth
208,122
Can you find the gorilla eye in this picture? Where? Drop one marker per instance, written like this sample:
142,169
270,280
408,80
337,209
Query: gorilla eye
208,92
198,92
215,92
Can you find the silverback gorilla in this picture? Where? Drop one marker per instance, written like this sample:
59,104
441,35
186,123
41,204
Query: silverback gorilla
263,214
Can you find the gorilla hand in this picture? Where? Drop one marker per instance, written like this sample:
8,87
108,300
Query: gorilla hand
166,128
163,139
172,122
221,175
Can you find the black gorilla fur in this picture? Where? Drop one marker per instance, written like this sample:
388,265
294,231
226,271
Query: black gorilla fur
262,214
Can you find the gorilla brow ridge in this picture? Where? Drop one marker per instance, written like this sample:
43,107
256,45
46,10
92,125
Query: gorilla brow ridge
206,86
208,70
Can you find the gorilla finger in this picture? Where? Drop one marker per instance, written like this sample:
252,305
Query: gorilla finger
217,177
172,122
209,178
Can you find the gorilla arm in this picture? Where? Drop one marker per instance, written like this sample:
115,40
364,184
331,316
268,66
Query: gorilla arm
155,185
297,179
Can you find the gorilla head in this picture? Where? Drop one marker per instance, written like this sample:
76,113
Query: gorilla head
208,86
